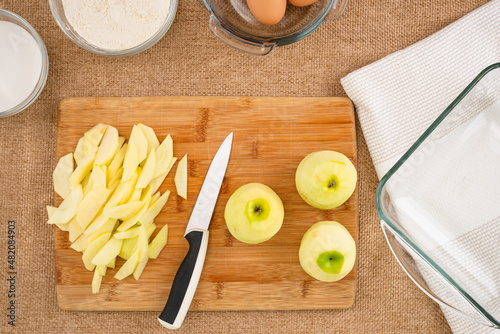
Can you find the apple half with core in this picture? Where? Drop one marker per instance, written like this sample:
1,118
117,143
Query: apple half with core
325,179
327,251
254,213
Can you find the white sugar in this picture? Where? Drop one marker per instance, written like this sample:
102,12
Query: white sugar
20,64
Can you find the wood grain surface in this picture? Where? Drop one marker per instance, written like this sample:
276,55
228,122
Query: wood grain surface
271,136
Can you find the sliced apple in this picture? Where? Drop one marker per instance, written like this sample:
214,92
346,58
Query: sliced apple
128,267
82,169
97,280
108,252
67,209
164,155
90,206
97,179
127,234
107,227
75,230
136,217
112,263
50,211
89,142
130,245
108,147
81,243
136,195
154,209
181,177
327,251
117,161
130,186
95,134
157,181
61,174
153,142
138,139
121,211
158,243
130,162
92,250
101,269
147,171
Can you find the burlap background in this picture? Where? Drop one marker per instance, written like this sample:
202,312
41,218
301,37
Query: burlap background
190,61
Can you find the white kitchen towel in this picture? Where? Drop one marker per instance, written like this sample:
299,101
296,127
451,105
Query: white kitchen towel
399,96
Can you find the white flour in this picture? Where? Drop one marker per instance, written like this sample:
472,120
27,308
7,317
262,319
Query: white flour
116,24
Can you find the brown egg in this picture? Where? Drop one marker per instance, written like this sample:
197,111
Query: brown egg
268,12
302,3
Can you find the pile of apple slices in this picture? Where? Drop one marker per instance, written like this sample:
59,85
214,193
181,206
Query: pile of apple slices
111,198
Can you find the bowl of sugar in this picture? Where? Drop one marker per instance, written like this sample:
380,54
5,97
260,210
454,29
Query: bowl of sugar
24,64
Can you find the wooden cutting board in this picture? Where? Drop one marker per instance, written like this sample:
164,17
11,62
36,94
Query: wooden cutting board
271,136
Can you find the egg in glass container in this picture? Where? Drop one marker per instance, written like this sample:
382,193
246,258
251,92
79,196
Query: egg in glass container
268,12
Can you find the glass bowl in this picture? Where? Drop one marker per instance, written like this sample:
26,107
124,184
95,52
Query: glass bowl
233,23
439,205
6,15
56,6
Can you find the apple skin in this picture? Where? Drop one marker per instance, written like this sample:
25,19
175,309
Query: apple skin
325,179
332,239
255,226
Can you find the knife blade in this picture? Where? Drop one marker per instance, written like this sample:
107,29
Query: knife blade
188,275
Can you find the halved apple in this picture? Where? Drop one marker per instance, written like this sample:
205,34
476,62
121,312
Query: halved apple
325,179
254,213
327,251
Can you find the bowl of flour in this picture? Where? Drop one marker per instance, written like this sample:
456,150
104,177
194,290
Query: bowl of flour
114,28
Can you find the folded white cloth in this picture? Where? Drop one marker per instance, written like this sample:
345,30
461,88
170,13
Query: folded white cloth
399,96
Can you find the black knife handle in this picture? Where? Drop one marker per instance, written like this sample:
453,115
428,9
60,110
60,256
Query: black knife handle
185,281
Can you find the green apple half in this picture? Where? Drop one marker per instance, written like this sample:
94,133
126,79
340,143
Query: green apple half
254,213
327,251
325,179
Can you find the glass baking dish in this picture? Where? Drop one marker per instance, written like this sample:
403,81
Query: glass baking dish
439,205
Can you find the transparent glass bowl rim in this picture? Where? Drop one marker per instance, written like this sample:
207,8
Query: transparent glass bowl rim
385,220
118,53
281,41
45,65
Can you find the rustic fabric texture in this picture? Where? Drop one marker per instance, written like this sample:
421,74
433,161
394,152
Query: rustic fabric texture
190,61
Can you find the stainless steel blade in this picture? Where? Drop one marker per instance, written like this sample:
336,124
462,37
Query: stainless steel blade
205,204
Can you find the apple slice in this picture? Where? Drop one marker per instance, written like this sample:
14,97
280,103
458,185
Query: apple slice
82,169
67,209
90,206
101,269
122,211
164,155
92,250
325,179
137,217
254,213
130,245
108,252
327,251
127,234
153,142
95,134
89,142
130,162
107,227
131,186
112,263
140,268
61,174
117,161
75,230
157,181
156,246
181,177
147,171
81,243
116,179
50,211
108,147
138,139
97,280
154,209
128,267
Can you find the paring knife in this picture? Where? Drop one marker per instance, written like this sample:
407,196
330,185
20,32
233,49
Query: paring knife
188,274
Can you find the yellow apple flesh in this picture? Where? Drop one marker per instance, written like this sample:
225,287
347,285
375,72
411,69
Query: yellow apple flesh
327,251
325,179
254,213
